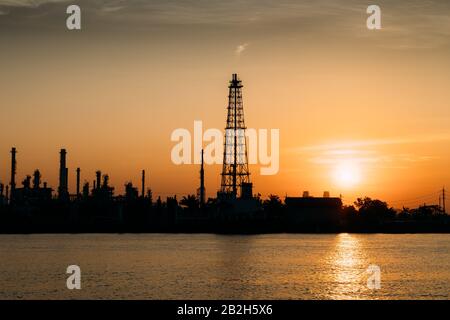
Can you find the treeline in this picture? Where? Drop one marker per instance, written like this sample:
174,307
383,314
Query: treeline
100,212
366,215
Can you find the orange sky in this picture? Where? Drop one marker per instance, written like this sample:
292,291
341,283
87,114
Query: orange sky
376,102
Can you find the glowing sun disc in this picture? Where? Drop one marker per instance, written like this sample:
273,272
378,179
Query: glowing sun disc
347,174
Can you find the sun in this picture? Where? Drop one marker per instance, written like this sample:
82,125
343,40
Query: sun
347,173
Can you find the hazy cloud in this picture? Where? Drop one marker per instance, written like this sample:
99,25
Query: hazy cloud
372,157
240,48
406,24
373,142
361,151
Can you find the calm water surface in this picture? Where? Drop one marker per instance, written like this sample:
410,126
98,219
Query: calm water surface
281,266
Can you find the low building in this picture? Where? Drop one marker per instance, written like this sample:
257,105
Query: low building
309,210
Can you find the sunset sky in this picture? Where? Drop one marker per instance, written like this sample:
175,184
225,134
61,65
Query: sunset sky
361,112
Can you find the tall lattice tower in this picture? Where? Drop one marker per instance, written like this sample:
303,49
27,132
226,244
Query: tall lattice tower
235,174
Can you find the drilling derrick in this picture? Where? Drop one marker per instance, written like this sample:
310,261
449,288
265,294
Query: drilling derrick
235,173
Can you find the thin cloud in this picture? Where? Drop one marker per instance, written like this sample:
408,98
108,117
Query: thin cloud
360,151
112,9
406,24
373,142
28,3
325,159
241,48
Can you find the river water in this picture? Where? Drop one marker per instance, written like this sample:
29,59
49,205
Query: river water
206,266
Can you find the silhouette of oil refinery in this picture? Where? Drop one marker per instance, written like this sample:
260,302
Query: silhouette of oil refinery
36,207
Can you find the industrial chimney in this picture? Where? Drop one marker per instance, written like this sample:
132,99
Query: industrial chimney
78,182
63,173
98,174
202,183
36,179
143,183
13,173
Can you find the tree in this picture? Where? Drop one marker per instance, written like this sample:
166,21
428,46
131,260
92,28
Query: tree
190,202
273,205
349,216
427,212
374,210
405,214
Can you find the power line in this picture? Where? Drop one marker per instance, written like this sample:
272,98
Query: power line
439,194
428,195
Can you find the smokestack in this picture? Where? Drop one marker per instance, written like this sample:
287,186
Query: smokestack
36,179
78,182
86,190
27,182
143,183
202,183
98,174
13,173
63,172
105,181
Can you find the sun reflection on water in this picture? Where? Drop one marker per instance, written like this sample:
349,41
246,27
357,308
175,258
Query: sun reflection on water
348,264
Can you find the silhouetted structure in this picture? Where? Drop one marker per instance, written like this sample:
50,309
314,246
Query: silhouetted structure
143,184
13,174
103,190
36,179
86,190
202,183
235,171
131,193
78,182
63,191
313,212
98,175
32,196
2,196
35,209
235,199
